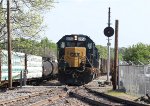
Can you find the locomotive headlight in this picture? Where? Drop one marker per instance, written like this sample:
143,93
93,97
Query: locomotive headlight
75,37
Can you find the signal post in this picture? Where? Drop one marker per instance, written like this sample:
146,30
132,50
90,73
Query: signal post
108,32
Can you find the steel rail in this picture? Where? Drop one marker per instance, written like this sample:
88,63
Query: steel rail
87,100
115,99
49,100
55,98
4,102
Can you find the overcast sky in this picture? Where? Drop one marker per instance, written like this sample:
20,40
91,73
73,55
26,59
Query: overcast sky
90,17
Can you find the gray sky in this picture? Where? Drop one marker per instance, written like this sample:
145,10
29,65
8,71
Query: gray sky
90,17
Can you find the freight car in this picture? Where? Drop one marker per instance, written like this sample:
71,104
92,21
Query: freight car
50,68
78,59
37,68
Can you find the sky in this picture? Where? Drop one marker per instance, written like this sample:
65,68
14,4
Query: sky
90,17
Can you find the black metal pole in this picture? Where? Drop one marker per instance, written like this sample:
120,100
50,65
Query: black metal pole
9,46
25,71
25,61
109,17
21,79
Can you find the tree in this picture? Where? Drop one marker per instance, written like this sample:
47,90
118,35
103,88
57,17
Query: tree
26,18
49,47
138,53
44,48
102,51
121,53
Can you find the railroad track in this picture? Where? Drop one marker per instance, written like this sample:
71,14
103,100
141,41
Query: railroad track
84,95
23,98
112,99
39,98
55,98
91,97
49,100
67,95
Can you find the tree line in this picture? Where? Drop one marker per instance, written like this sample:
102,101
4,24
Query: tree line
44,47
135,54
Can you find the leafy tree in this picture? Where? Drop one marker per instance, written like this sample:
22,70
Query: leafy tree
138,53
121,52
49,47
44,47
102,50
26,18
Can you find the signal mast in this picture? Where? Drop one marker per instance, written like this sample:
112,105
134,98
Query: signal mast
108,32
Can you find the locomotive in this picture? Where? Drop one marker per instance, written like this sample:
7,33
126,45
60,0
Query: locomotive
78,59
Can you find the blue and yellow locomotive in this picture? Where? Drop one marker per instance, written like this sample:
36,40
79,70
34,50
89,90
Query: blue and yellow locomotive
78,59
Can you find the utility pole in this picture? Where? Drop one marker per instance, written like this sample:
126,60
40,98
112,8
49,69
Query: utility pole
0,66
115,74
9,46
108,31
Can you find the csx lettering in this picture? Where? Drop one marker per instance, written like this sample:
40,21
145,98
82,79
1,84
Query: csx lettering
74,54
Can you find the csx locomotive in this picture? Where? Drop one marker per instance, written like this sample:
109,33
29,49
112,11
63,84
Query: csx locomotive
78,59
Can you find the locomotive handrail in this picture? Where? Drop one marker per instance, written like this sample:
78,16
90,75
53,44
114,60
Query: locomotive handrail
61,58
89,62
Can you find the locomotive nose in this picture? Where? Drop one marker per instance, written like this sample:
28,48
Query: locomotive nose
75,56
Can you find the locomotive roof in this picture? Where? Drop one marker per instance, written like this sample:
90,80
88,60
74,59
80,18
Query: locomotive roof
79,35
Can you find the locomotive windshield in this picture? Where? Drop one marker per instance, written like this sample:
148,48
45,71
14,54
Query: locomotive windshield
70,44
75,44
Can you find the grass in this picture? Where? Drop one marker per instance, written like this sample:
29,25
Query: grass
121,95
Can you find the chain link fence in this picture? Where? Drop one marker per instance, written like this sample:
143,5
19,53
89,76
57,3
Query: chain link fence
135,79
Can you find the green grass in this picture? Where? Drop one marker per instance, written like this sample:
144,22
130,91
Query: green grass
121,95
115,93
